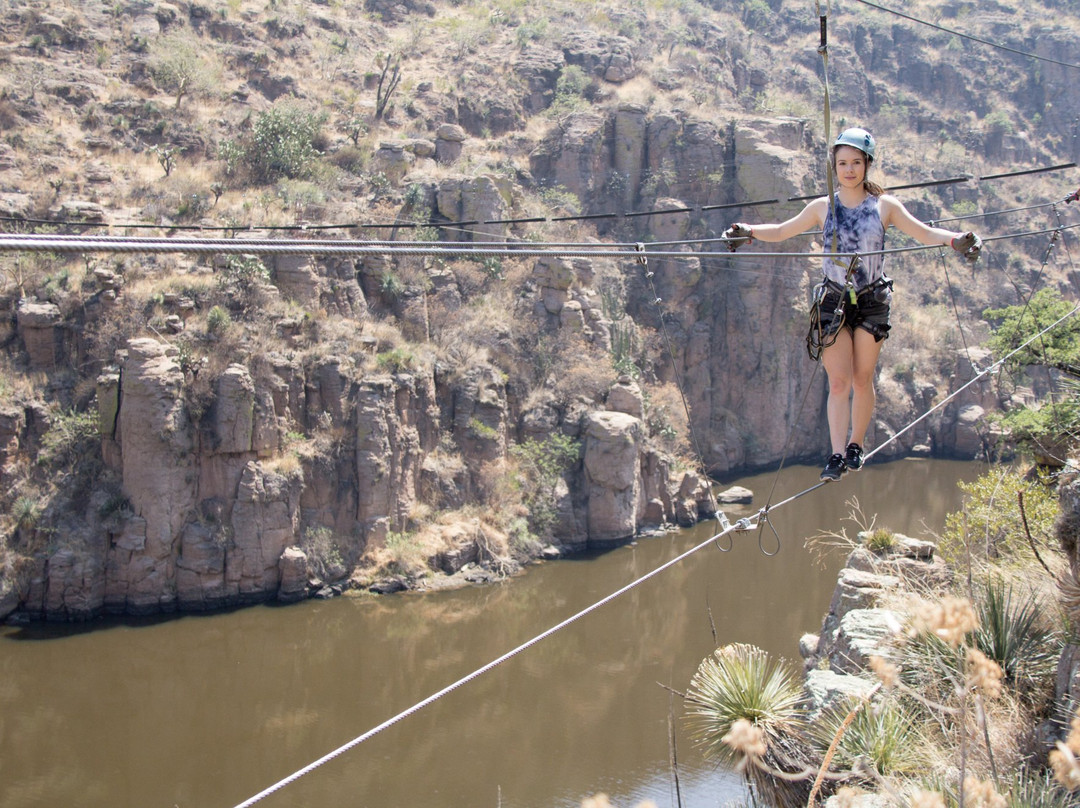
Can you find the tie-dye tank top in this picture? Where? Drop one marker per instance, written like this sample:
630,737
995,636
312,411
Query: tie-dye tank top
859,230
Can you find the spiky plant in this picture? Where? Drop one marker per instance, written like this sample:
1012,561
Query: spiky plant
1013,631
886,734
741,682
1038,790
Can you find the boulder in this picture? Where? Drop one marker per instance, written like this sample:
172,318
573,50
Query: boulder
613,476
294,575
449,142
626,396
826,689
862,633
41,329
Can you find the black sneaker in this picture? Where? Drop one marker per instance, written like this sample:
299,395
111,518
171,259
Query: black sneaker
853,456
835,468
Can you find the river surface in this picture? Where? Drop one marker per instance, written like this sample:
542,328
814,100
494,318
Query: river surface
209,710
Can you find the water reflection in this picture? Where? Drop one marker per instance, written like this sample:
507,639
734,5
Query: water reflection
208,710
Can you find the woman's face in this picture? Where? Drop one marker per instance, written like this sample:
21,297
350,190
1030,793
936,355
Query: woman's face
850,165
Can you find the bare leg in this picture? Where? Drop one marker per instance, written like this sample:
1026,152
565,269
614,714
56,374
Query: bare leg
864,367
838,360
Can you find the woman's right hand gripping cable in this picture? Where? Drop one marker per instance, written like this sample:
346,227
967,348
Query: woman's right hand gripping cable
737,235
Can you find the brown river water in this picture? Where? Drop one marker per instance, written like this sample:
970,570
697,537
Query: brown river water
209,710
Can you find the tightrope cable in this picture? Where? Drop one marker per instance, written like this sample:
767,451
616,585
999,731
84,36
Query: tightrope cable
746,523
480,671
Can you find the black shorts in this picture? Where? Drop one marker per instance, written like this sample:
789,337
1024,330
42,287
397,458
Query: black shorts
869,312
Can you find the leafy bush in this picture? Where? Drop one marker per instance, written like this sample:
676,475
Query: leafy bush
1059,348
397,360
281,144
71,439
180,67
323,553
543,463
990,526
244,270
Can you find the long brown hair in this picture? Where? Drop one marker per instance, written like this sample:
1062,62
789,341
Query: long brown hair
869,185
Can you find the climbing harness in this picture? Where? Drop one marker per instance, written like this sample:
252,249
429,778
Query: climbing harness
816,338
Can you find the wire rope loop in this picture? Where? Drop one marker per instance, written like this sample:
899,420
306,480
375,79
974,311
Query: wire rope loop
730,545
762,521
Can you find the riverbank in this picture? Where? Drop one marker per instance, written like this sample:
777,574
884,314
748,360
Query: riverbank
142,722
943,672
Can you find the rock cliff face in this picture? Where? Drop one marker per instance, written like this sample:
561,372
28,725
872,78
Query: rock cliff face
227,483
218,507
263,438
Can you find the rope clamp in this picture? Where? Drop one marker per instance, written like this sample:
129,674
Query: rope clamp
642,258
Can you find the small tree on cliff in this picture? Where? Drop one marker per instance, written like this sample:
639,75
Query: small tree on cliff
543,463
1053,427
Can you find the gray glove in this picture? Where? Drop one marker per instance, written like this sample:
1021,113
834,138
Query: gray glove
968,245
737,235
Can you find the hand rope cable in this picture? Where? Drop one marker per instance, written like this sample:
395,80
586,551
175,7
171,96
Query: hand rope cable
123,244
306,227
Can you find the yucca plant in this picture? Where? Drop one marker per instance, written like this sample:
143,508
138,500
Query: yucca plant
741,682
1039,790
1013,632
886,734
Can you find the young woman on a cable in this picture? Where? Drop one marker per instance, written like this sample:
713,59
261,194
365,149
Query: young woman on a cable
852,312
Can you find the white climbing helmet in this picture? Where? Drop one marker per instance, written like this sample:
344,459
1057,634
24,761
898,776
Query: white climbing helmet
857,138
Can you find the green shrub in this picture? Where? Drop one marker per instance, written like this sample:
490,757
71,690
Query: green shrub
542,464
217,320
323,554
1035,789
397,360
244,270
282,143
26,511
71,439
880,540
990,525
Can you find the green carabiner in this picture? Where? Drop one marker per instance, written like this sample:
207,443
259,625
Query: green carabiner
851,294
